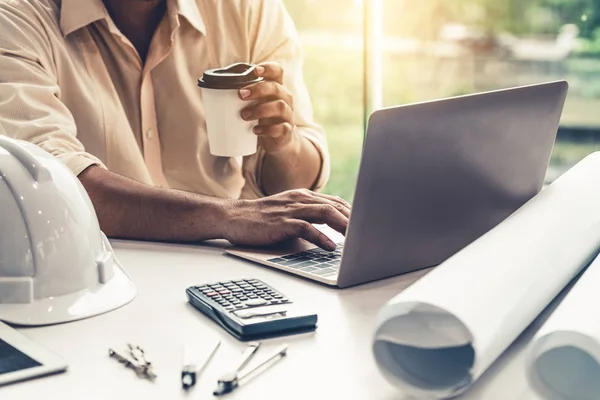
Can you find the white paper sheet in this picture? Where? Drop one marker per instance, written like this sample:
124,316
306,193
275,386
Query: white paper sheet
438,336
563,359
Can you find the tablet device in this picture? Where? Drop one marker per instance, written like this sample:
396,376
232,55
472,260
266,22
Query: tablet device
22,359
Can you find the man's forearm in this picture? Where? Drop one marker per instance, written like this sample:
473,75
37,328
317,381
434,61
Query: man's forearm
296,167
132,210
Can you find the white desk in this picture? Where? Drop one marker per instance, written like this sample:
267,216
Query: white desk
335,362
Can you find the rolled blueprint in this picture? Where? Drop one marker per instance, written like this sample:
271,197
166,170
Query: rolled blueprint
439,336
563,359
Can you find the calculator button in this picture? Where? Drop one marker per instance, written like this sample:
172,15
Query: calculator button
275,301
224,292
239,306
278,296
212,293
267,298
256,302
229,308
253,281
237,290
243,298
261,286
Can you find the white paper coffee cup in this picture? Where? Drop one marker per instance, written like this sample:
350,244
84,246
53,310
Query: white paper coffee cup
228,134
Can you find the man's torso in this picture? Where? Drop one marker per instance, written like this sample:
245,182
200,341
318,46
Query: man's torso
145,120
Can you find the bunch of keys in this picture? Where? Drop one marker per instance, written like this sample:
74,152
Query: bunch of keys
136,360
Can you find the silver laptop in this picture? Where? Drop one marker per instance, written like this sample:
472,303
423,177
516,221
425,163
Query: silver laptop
433,177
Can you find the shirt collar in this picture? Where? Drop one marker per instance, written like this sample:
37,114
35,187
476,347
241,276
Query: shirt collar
76,14
189,10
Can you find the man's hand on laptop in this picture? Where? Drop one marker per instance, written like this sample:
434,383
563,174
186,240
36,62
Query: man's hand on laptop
132,210
286,216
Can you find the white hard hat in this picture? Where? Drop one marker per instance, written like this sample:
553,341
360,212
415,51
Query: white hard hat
55,263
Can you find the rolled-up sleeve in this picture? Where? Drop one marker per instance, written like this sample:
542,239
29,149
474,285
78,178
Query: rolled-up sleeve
274,38
30,105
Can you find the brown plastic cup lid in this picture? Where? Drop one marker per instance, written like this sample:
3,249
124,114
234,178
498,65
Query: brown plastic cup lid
235,76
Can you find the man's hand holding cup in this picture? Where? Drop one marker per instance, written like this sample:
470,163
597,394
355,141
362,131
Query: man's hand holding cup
272,105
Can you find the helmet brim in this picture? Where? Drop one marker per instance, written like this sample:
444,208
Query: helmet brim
86,303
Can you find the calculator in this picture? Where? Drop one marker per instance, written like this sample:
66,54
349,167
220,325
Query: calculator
249,309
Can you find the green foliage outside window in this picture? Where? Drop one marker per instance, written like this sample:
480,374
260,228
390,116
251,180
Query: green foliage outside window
331,31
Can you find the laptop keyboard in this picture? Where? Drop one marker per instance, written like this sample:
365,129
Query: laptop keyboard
315,261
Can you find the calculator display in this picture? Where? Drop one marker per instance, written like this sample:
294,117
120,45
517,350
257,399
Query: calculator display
12,360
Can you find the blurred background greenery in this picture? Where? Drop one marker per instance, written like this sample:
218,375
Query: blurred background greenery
440,48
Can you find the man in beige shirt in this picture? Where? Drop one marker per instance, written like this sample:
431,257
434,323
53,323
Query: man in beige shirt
109,88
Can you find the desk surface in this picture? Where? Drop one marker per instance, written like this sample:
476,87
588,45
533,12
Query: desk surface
335,362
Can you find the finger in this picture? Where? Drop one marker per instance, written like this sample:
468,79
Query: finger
271,71
269,121
306,231
323,214
266,89
273,130
309,197
345,207
272,109
273,138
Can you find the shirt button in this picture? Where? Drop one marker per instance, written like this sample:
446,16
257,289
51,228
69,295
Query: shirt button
150,134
